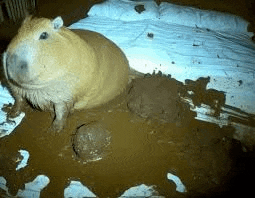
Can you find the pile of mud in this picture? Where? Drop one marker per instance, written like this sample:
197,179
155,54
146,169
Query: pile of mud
91,142
159,97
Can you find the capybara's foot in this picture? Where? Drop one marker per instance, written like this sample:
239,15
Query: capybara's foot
57,126
12,110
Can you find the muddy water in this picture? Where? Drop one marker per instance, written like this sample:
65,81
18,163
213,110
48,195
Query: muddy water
142,151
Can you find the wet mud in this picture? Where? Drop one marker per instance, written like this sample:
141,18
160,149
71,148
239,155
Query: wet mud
159,97
91,141
137,138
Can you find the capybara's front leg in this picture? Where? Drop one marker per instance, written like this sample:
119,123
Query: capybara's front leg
61,113
14,110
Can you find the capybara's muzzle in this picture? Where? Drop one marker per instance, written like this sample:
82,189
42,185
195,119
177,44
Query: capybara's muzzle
16,68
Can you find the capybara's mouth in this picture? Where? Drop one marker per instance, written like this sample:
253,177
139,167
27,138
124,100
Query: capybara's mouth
27,84
23,82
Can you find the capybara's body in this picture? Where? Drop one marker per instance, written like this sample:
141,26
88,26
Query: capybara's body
58,69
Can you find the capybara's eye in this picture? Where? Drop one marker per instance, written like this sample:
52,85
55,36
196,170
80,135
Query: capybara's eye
44,35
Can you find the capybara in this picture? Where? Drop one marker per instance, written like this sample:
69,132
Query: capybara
60,70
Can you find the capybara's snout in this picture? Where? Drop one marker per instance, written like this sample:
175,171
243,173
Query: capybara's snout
16,67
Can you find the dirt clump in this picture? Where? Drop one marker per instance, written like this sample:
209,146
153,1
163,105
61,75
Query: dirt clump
158,97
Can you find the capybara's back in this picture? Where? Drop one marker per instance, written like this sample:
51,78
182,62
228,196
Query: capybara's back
110,74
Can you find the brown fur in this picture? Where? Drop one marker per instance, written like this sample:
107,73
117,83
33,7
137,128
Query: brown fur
68,70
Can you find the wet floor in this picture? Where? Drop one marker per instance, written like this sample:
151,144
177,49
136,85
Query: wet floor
142,150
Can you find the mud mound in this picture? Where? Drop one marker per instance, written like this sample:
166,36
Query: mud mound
158,97
91,141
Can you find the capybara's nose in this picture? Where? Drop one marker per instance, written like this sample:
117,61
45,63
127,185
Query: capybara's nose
16,63
16,68
23,65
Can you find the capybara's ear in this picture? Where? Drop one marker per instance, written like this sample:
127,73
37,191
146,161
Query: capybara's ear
57,23
28,18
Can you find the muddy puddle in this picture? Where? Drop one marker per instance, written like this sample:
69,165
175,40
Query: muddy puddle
150,133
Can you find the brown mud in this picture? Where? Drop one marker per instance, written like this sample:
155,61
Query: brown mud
152,132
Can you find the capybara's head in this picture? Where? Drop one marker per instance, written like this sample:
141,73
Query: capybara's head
35,55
